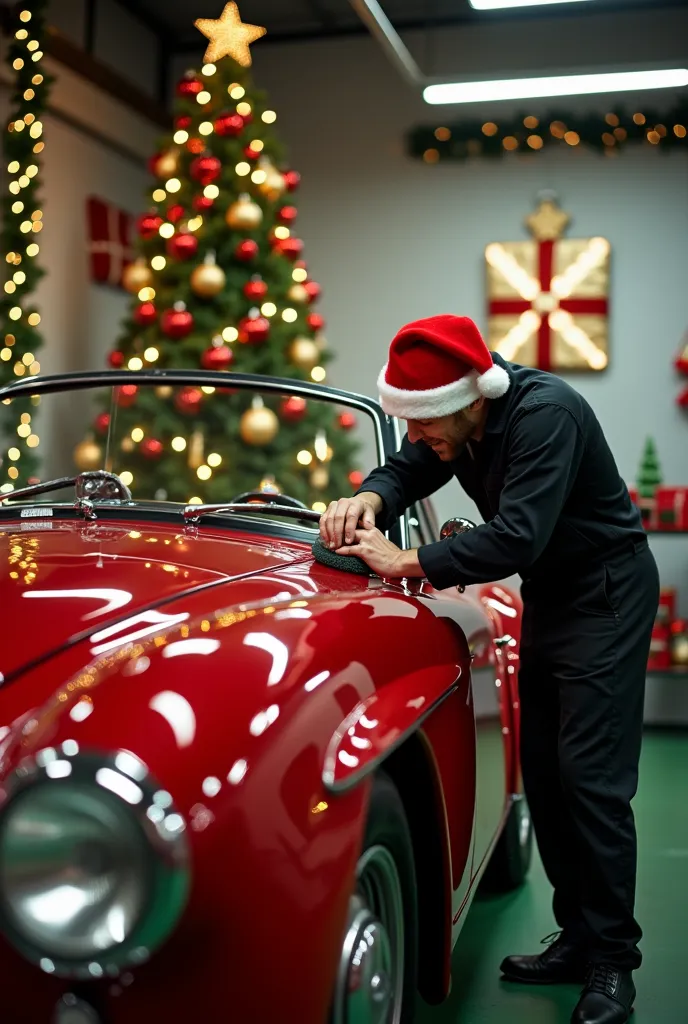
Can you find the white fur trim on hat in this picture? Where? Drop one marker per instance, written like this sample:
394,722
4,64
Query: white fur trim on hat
442,401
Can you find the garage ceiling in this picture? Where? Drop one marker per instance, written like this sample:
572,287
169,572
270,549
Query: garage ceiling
298,19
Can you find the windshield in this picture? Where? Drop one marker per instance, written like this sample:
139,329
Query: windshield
182,439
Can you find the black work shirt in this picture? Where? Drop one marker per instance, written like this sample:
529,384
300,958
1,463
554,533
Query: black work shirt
543,478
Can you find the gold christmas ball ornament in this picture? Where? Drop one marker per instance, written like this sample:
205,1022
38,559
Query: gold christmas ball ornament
167,163
137,275
208,280
244,214
297,293
319,478
268,485
304,353
88,455
164,391
274,184
127,444
258,426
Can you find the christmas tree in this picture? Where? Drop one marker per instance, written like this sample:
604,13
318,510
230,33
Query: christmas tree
220,283
649,472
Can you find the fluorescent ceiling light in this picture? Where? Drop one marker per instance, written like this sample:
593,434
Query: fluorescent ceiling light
563,85
495,5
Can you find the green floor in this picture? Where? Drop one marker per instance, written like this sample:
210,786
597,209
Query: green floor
515,923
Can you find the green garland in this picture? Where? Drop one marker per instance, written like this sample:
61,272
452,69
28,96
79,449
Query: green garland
20,239
524,133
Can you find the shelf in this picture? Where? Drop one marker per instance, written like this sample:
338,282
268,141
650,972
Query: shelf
665,533
675,670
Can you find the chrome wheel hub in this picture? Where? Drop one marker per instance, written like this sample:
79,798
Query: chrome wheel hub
371,969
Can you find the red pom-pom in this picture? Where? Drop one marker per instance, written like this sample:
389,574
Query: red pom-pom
355,478
202,203
229,124
205,169
246,250
175,213
151,448
183,246
182,122
148,225
101,423
292,180
116,359
313,290
126,395
217,357
176,323
315,321
189,87
188,400
347,420
289,247
253,330
292,409
256,289
287,215
145,314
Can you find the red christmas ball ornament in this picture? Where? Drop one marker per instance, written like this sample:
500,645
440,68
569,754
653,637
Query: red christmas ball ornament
188,401
195,145
246,250
182,123
287,215
205,169
177,322
217,357
250,153
116,359
148,225
175,213
255,289
355,478
313,289
229,124
289,247
253,330
189,86
101,423
144,315
202,203
292,179
346,420
183,246
292,409
126,395
151,448
315,321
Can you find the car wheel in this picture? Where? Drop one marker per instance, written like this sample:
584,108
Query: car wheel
511,857
376,980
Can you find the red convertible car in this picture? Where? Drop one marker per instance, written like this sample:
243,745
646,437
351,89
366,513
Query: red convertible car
236,783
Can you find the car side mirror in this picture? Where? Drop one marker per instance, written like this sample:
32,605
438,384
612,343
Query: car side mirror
454,526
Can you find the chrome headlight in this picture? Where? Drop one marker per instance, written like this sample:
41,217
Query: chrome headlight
93,862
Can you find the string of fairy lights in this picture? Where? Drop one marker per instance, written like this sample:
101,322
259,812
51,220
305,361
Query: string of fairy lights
23,222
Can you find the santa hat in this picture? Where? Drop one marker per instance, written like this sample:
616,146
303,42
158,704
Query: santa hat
437,366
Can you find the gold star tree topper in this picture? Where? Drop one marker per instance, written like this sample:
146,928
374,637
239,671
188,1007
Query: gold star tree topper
229,36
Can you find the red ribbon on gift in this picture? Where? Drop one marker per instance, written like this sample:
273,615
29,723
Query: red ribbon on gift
109,232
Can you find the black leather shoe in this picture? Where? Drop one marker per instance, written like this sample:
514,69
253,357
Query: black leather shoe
563,961
607,997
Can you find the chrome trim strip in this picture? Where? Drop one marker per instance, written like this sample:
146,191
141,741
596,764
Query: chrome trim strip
193,513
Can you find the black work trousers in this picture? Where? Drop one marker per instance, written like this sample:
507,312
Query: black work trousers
584,653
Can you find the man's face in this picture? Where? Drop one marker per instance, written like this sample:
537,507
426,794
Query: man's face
447,435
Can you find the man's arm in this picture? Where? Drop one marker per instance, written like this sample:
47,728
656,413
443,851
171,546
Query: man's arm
414,472
545,451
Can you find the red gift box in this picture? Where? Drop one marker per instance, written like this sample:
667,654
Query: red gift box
109,232
672,508
666,612
660,649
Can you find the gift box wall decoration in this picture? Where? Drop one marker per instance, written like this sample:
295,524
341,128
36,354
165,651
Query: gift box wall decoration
109,232
681,364
662,506
548,297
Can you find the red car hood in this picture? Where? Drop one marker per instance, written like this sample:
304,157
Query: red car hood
63,580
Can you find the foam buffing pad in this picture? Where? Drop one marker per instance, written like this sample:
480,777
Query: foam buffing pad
347,563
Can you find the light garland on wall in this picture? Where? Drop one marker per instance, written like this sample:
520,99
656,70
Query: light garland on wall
526,133
23,144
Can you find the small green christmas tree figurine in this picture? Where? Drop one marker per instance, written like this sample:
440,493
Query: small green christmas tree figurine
649,472
220,283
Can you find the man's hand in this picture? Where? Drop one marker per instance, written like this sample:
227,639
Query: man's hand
338,524
383,557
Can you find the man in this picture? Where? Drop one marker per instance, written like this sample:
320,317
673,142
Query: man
530,452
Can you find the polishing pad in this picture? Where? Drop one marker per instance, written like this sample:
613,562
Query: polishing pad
347,563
